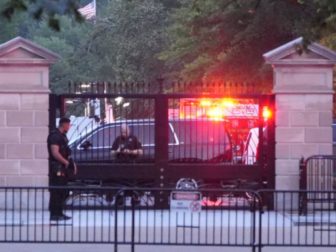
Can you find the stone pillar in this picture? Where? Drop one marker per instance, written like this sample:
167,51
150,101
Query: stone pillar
303,88
24,103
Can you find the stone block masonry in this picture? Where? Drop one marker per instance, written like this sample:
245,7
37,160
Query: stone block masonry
303,91
24,105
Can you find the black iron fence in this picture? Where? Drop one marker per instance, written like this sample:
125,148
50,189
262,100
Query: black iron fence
317,173
288,226
168,87
202,217
214,132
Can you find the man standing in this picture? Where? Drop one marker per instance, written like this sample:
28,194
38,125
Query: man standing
60,167
126,147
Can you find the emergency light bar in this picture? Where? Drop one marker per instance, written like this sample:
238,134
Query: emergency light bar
217,109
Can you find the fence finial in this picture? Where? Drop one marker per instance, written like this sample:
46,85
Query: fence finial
160,80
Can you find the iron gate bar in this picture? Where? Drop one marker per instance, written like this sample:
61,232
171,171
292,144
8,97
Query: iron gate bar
161,141
268,171
53,104
260,147
138,170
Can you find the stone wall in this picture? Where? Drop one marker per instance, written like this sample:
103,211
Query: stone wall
303,89
24,105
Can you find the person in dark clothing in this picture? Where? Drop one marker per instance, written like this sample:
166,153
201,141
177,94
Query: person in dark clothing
60,167
126,147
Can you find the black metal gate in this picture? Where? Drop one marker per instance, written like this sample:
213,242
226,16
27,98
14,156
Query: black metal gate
218,134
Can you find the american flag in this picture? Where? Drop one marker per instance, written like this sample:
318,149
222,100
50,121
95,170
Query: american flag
89,10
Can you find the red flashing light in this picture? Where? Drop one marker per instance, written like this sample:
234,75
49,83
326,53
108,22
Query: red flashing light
266,113
217,109
215,113
227,103
205,103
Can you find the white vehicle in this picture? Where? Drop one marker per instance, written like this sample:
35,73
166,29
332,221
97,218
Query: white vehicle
80,126
250,153
251,147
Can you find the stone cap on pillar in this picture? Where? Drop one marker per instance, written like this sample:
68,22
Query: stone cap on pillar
24,67
22,51
302,70
288,54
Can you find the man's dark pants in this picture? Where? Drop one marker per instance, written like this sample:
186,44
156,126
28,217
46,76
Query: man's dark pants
57,196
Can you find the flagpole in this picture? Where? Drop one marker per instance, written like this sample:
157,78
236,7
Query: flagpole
95,8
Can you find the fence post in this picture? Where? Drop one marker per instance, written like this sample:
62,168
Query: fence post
160,82
133,222
303,174
161,141
254,226
116,221
269,169
303,186
259,211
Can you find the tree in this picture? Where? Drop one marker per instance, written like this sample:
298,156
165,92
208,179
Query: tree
205,40
225,39
16,27
325,30
66,43
39,9
120,45
123,45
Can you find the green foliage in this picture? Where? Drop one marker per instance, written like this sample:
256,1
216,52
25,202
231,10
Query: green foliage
66,43
325,30
120,45
204,40
222,39
16,27
123,44
217,40
39,9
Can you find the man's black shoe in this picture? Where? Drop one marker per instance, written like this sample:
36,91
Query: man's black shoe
62,217
54,217
65,217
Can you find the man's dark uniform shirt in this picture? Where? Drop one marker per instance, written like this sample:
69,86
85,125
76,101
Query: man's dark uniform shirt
57,138
130,143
